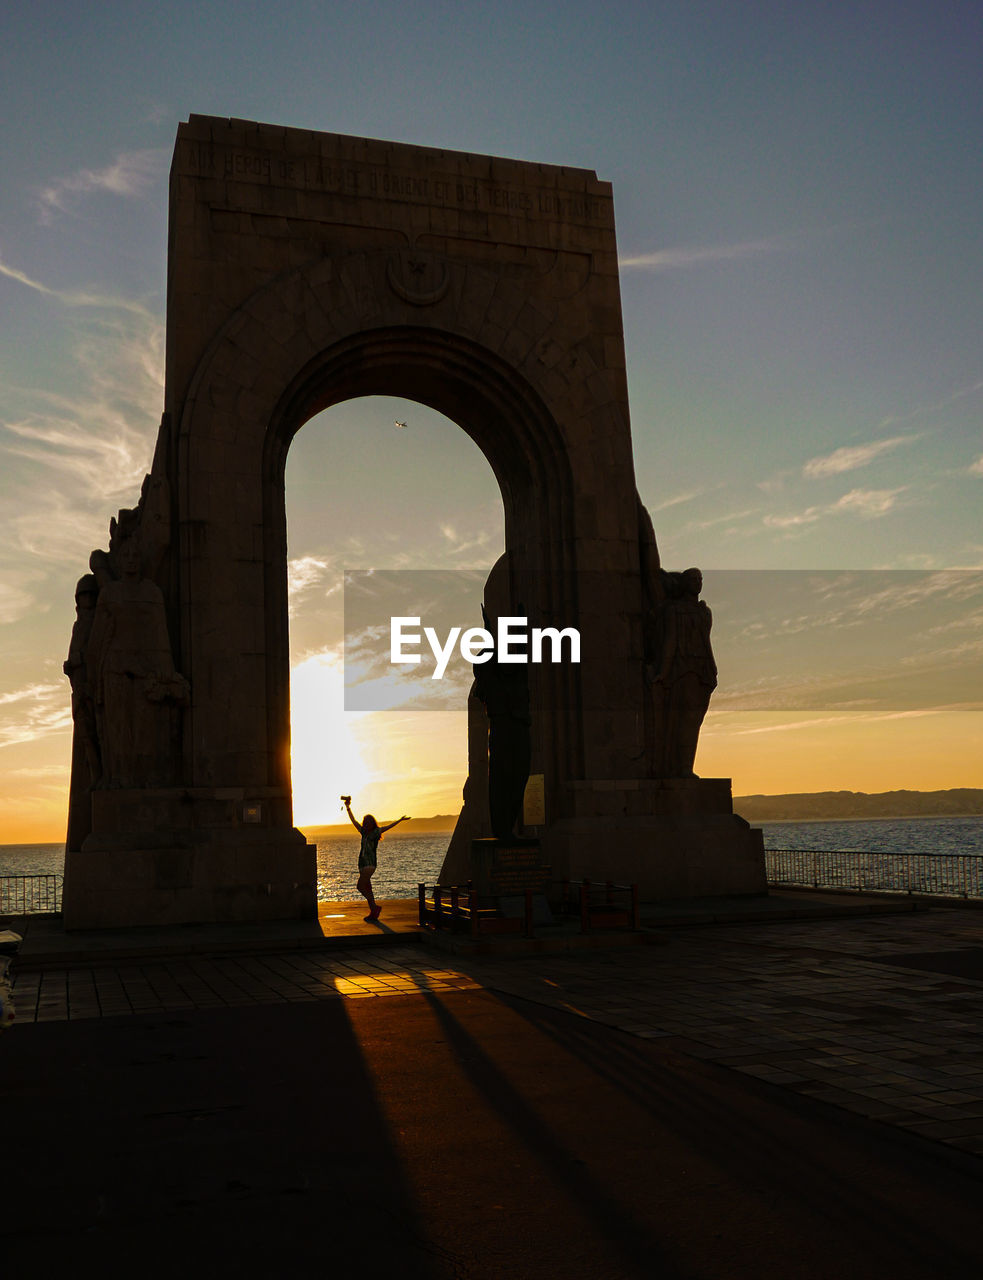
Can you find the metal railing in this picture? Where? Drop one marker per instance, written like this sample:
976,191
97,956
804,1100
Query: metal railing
28,895
946,875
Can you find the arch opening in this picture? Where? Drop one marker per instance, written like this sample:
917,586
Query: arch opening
364,493
518,439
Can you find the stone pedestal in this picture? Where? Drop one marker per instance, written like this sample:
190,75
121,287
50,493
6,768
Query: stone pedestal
502,870
507,868
189,855
674,838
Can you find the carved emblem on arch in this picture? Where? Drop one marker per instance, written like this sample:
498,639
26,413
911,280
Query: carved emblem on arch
418,277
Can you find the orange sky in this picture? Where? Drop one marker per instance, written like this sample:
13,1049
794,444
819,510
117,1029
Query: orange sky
802,352
396,762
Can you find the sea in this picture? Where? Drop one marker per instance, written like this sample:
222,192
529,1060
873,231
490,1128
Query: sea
406,861
878,835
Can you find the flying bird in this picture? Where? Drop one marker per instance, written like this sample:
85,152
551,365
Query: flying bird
400,424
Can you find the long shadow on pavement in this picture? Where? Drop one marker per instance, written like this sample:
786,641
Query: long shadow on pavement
628,1238
242,1141
794,1186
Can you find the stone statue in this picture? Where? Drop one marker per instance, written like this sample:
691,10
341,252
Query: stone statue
504,690
131,672
653,621
76,668
687,673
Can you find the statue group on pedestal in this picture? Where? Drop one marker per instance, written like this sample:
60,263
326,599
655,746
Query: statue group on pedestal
125,689
680,671
679,674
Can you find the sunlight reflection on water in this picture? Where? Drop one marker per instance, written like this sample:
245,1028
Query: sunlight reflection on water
404,862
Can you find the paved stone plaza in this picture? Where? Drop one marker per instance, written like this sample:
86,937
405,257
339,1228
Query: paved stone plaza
880,1015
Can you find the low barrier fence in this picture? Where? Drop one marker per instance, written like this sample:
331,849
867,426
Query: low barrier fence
944,875
28,895
602,905
459,907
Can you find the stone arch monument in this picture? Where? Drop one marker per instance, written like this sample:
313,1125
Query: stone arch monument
305,269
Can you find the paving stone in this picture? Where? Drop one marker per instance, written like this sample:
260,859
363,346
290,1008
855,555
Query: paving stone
921,1072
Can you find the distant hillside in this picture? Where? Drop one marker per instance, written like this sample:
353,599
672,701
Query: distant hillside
959,802
415,826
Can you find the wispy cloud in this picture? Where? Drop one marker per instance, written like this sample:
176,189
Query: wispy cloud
16,601
29,693
841,640
306,572
795,519
723,721
156,113
733,518
933,406
942,677
110,464
36,711
67,457
682,257
459,544
976,468
953,655
909,590
128,176
98,442
56,771
678,499
783,603
310,573
850,457
869,504
74,297
54,530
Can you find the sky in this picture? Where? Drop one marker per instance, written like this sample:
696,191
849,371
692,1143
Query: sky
797,193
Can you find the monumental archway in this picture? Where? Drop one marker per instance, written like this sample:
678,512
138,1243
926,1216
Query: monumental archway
305,269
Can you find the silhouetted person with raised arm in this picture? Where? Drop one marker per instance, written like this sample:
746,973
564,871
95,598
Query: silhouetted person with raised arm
371,834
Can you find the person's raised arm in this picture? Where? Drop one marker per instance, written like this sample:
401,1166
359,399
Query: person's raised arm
357,825
389,826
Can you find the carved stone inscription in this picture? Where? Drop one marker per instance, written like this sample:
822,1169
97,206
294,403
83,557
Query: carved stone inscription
503,869
374,181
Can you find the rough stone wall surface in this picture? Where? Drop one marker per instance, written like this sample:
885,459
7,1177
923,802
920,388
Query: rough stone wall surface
332,266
